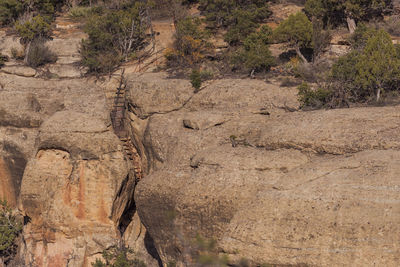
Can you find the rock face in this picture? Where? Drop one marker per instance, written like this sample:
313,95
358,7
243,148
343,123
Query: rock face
25,103
232,163
69,188
64,168
235,162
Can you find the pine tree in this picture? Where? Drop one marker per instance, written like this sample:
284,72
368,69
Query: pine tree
378,66
297,31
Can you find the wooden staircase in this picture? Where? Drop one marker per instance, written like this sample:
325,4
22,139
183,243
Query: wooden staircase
118,114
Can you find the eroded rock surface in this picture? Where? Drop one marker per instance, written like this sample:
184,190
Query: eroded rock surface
61,161
61,164
69,188
235,164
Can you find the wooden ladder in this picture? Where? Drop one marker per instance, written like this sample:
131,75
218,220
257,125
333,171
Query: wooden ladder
118,114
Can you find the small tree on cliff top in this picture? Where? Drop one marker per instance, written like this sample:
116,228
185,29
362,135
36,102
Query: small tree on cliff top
114,36
346,10
297,31
379,65
367,73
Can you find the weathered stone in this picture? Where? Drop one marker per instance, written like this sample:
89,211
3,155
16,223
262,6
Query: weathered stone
153,93
65,71
242,95
67,47
204,121
315,188
72,189
61,163
9,42
19,70
68,190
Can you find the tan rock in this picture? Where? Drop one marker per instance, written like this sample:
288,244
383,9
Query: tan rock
67,47
9,42
152,93
243,95
76,189
65,71
317,188
137,238
68,190
24,71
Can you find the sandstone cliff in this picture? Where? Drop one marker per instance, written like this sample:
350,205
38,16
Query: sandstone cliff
61,164
232,163
61,161
236,162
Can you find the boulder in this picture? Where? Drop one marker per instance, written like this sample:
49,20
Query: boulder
19,70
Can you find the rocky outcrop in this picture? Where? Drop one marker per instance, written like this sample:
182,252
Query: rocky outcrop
19,70
69,188
65,169
235,163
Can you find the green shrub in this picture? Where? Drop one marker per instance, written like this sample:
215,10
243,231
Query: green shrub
113,36
10,10
10,228
239,17
335,12
241,27
190,44
255,55
343,75
359,38
370,72
297,30
222,13
195,79
39,54
312,98
366,74
79,12
118,258
378,66
37,27
105,62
